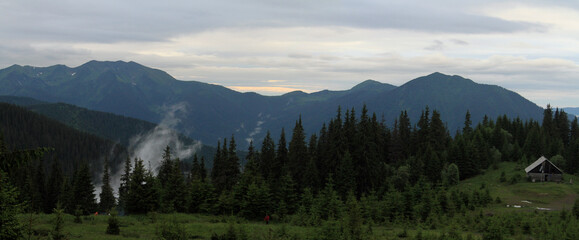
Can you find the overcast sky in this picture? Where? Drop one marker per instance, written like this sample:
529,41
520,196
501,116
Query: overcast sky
276,46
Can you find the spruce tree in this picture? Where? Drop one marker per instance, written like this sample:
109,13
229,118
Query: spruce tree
166,168
124,186
279,165
107,198
10,228
232,171
467,129
177,189
83,190
137,189
267,157
55,186
311,177
38,188
298,153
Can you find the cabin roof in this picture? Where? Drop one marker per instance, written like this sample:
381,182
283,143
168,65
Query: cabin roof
539,162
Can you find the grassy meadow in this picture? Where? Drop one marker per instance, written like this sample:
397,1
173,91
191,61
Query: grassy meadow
522,222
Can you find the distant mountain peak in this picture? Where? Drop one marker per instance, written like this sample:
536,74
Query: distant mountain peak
372,85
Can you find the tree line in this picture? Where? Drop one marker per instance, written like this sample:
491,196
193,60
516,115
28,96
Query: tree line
354,166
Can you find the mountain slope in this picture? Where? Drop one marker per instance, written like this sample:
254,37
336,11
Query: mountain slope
212,112
23,129
452,96
105,125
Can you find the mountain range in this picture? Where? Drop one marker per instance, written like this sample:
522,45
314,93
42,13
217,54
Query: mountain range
209,112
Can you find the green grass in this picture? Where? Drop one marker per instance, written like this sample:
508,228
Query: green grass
555,196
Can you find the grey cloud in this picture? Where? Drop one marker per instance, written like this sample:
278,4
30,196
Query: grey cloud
437,45
113,21
459,42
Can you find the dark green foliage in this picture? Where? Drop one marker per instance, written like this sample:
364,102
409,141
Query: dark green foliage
451,175
58,228
143,193
107,199
83,191
298,154
256,202
576,209
173,190
9,206
23,129
226,168
113,226
353,218
77,214
55,187
124,186
172,230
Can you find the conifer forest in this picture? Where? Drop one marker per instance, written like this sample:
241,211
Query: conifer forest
356,178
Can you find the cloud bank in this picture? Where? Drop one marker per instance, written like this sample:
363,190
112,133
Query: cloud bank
525,46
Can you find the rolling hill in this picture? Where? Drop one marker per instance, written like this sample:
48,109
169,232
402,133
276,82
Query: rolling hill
212,112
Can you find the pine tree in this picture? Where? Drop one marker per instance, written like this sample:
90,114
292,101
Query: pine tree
107,198
166,168
467,129
10,228
177,189
38,188
232,166
267,157
195,173
279,165
346,176
55,186
124,186
83,190
354,218
311,174
217,176
298,153
139,190
251,162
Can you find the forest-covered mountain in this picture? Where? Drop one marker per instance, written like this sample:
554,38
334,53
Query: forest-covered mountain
212,111
572,110
116,128
24,129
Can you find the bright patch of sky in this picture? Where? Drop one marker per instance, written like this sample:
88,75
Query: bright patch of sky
278,46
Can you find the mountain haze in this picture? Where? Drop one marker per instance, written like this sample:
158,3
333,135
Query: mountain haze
214,112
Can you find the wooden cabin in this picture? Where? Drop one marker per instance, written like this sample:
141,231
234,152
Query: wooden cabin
544,170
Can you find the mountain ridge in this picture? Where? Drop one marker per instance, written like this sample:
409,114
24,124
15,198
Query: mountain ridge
214,111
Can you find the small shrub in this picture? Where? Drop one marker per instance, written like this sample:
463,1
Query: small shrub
503,177
77,214
113,228
58,230
515,179
172,230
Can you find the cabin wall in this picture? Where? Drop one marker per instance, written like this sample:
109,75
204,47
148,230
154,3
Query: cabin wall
545,177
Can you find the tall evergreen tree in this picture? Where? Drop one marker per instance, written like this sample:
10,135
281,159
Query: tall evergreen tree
124,186
467,129
267,156
166,167
143,192
38,188
311,174
55,186
232,167
279,165
83,190
107,198
298,153
177,189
